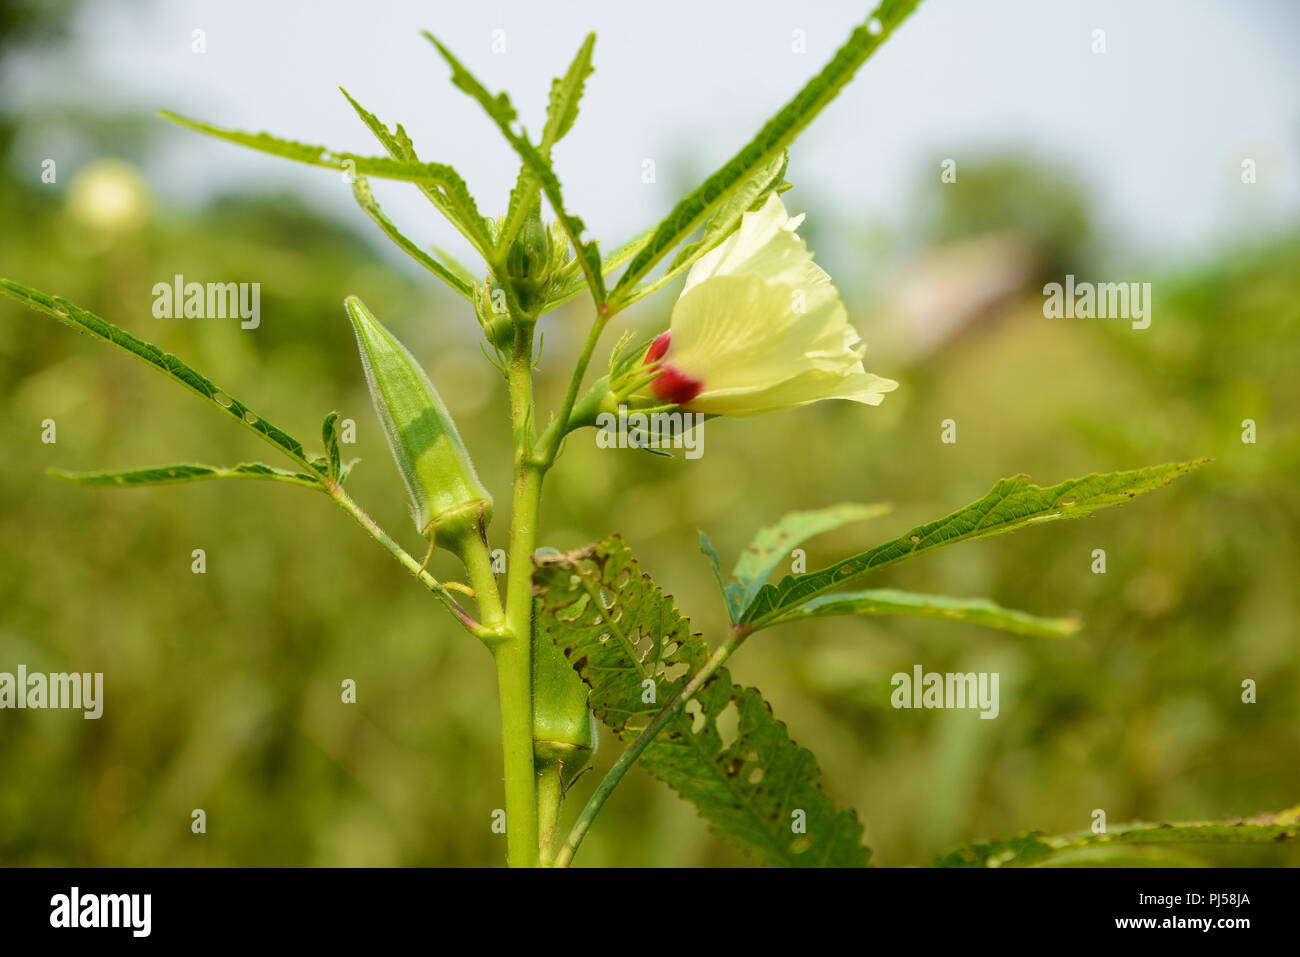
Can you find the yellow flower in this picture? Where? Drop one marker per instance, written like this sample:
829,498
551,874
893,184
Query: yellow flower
759,327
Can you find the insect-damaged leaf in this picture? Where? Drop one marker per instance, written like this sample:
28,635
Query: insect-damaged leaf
978,611
185,472
1011,504
724,752
1035,849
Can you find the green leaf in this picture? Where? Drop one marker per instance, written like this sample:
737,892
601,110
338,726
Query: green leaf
464,216
330,436
561,112
730,594
366,200
773,544
1012,503
1033,849
750,195
724,751
184,472
566,93
442,184
777,134
166,363
979,611
502,112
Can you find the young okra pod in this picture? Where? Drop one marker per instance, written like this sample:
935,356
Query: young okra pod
448,502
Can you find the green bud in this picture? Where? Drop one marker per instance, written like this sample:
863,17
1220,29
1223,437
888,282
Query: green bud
528,261
564,729
447,498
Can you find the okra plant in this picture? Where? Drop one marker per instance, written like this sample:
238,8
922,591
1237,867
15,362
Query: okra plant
587,635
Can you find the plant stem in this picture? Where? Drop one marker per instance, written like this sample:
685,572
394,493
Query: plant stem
550,795
344,501
642,741
554,435
514,654
478,563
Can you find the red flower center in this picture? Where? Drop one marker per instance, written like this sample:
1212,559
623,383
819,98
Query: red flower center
671,385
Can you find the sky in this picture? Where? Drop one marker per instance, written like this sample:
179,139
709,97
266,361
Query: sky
1158,125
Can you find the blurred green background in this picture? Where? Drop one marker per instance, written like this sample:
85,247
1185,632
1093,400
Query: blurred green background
222,690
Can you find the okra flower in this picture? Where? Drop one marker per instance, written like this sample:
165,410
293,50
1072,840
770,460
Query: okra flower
759,326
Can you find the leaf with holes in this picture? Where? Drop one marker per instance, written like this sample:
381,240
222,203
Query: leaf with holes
724,752
979,611
184,472
1011,504
774,543
1034,849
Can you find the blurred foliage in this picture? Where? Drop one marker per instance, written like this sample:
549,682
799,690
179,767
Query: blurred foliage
1036,199
223,690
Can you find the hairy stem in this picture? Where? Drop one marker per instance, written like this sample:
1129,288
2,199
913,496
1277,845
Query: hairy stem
514,654
642,741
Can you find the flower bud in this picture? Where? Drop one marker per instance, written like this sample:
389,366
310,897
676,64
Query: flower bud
447,498
528,261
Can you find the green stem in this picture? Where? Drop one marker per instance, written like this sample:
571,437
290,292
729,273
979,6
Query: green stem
514,654
641,742
478,563
344,501
551,441
550,795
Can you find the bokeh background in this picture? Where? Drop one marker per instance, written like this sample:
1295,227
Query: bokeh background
222,690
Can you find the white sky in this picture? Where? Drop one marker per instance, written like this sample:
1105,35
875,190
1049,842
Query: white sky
1159,124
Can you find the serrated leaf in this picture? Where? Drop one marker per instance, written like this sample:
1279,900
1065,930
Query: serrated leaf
83,321
978,611
777,134
561,112
566,93
1034,849
184,472
1013,503
619,630
502,112
441,183
750,195
366,200
773,544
